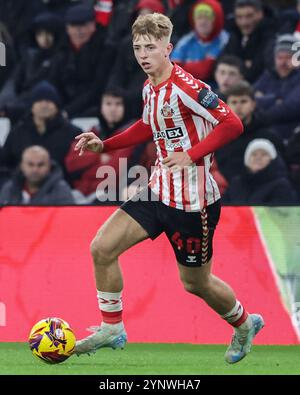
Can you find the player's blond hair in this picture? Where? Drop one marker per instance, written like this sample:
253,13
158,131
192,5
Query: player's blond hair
157,25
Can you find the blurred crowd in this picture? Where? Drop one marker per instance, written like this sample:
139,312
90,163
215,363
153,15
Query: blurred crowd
70,67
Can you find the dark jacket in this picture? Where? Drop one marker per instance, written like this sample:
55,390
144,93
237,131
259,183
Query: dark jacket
128,75
281,101
53,191
254,50
36,62
269,186
57,139
230,158
289,21
81,75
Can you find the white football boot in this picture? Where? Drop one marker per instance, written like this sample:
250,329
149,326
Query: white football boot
113,336
242,340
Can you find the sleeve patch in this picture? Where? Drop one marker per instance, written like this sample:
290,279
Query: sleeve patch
208,99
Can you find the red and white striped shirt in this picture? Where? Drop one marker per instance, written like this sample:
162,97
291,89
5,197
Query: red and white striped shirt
178,122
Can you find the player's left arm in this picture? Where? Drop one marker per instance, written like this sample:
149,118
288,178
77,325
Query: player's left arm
227,128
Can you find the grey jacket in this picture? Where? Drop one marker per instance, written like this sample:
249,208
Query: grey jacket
53,191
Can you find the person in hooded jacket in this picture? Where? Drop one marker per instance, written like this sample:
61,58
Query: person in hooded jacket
35,64
38,181
197,51
47,30
263,180
277,92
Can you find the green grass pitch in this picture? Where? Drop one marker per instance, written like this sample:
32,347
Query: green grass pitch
147,359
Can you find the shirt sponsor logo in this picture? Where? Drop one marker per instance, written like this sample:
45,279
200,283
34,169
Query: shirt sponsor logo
169,134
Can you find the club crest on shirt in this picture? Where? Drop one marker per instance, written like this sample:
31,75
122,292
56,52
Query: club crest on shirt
167,111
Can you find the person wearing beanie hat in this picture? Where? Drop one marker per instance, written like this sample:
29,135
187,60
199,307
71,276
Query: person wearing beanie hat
44,125
277,91
286,43
44,91
269,153
263,180
197,51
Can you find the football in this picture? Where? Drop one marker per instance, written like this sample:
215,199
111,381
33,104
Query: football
52,340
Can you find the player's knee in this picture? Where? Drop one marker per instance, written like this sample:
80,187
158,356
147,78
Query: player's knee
101,252
199,288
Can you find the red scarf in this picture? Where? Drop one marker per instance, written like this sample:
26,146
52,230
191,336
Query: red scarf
103,11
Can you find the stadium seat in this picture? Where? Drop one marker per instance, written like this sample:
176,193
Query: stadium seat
4,130
85,124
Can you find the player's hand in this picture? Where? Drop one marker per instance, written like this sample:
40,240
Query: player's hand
88,141
177,160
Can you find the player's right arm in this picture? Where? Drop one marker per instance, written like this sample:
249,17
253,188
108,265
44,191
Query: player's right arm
137,133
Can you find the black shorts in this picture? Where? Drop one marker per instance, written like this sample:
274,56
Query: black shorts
190,233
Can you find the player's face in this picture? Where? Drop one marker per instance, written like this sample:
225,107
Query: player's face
112,109
226,76
243,106
151,54
258,160
247,19
283,63
44,109
35,167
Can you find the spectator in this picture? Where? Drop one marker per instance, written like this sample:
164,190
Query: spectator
82,169
37,182
126,72
277,92
241,100
81,68
228,72
263,179
250,37
45,126
35,64
197,51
